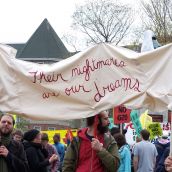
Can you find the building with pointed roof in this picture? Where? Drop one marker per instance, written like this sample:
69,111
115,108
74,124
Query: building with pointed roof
44,46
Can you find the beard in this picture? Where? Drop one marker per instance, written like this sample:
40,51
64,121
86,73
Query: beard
102,129
5,131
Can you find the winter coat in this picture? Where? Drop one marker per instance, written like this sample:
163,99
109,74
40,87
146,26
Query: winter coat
61,151
161,145
160,167
108,156
53,167
16,158
36,157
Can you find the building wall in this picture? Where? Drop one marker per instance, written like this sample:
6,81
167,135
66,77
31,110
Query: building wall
44,127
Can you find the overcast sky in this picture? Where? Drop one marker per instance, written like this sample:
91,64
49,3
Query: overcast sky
20,18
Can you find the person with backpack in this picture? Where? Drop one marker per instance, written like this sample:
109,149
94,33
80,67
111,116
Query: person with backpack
93,149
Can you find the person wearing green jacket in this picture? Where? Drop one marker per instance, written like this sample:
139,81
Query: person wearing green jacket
93,150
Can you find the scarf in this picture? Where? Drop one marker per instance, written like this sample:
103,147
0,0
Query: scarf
5,140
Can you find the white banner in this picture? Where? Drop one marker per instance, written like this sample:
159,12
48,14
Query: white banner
97,79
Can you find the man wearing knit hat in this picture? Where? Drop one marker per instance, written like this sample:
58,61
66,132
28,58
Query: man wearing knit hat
93,149
12,155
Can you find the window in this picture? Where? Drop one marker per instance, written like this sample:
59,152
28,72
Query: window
51,128
37,128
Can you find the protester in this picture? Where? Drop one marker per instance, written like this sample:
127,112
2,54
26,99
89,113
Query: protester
161,144
60,149
18,135
51,150
12,155
144,154
36,155
138,139
125,154
93,149
160,167
168,164
116,130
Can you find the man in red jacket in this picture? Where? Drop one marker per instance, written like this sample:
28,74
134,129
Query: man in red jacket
93,150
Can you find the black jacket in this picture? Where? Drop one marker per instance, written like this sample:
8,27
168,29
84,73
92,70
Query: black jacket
36,157
16,158
160,167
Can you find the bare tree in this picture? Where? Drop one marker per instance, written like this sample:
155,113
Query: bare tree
103,20
159,13
70,40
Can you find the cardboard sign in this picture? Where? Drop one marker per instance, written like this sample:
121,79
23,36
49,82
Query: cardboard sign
136,121
121,115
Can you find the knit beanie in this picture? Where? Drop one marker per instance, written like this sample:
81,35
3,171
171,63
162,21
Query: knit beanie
31,134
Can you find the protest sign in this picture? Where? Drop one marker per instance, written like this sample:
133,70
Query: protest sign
145,119
136,121
121,115
155,130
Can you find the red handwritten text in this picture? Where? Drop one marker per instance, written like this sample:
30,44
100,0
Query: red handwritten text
42,77
75,89
126,83
92,65
47,95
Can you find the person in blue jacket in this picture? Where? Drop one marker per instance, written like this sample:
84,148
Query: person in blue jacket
60,149
124,152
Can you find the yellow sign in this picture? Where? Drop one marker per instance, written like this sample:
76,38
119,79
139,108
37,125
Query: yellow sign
145,120
61,132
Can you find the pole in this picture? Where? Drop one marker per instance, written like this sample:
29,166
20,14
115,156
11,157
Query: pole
171,135
121,128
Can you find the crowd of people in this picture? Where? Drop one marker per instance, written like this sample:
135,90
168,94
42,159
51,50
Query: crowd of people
94,149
